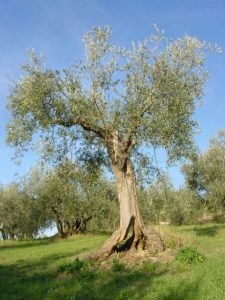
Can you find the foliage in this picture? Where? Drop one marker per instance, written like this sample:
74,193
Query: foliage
145,94
184,207
205,174
20,217
189,255
156,198
72,195
160,202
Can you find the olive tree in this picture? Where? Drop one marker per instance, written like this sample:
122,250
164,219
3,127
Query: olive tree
19,215
118,99
205,174
156,199
71,195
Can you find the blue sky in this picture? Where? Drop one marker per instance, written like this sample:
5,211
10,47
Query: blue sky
57,27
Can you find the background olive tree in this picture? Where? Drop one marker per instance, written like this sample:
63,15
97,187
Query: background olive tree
205,175
71,196
20,216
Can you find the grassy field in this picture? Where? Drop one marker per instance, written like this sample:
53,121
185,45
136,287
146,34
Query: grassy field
45,269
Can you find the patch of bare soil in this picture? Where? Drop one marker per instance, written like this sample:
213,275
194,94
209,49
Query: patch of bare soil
137,258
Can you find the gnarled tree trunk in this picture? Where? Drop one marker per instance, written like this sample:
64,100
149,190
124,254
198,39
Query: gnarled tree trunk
77,225
132,232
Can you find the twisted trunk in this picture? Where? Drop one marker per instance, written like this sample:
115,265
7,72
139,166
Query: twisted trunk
127,195
132,232
78,225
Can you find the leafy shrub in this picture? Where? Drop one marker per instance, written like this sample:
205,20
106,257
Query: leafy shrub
76,266
189,255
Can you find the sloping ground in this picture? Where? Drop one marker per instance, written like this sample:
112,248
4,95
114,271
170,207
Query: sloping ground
46,269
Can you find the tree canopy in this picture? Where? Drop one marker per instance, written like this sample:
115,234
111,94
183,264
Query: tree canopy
144,94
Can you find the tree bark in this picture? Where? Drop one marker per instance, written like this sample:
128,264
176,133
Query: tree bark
127,196
132,232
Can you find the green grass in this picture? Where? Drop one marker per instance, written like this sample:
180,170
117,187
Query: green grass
47,269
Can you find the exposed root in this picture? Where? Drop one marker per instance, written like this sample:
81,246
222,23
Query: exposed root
141,239
152,241
108,247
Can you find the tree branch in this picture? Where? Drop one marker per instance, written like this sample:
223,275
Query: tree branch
132,130
84,124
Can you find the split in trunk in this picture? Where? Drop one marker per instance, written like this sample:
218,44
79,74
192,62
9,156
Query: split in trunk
68,228
77,225
132,232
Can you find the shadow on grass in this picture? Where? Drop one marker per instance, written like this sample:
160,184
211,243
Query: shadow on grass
184,291
127,284
25,244
20,283
32,279
41,279
211,230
